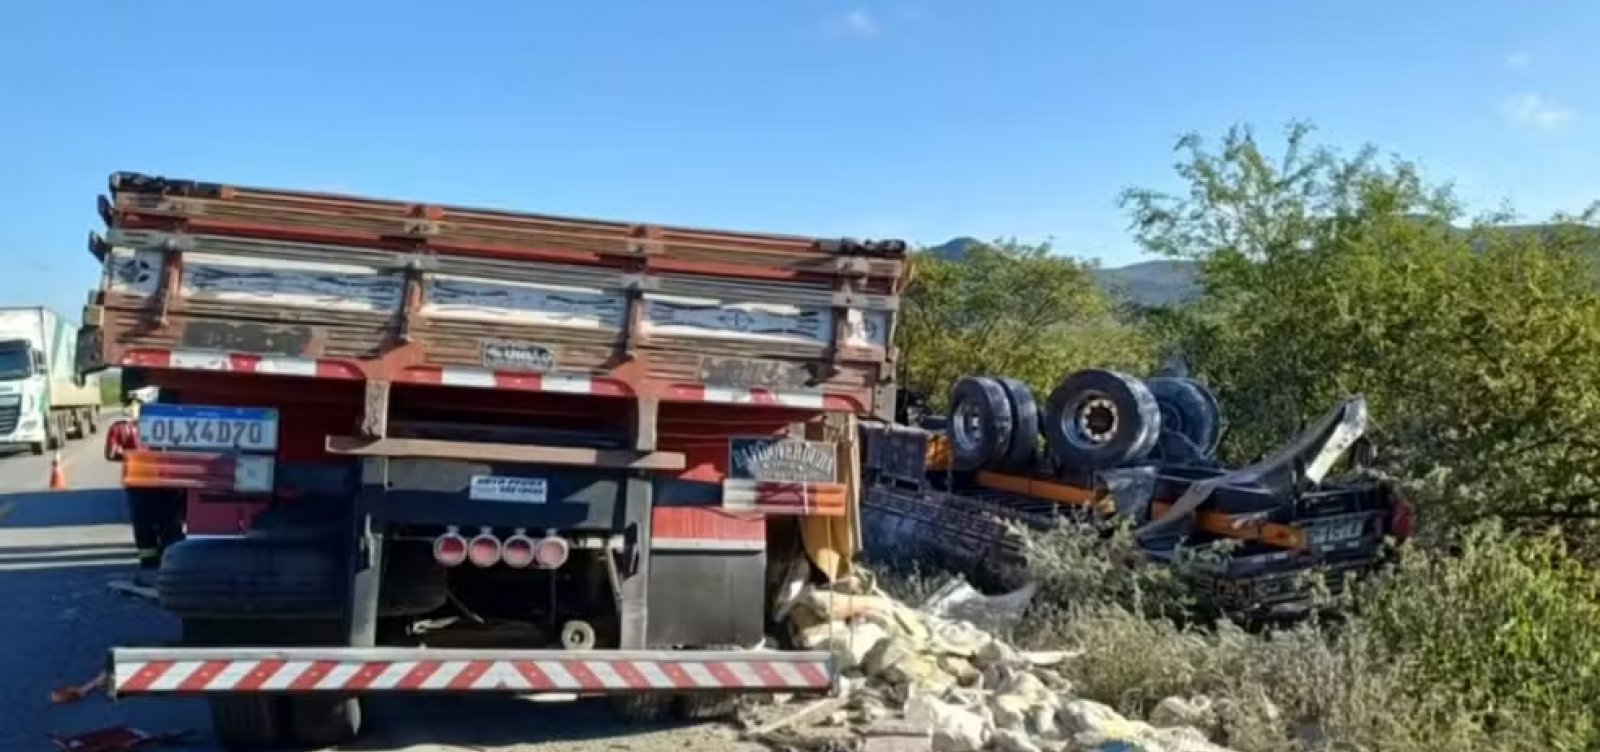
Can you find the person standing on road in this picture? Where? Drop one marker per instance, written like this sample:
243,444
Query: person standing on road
156,514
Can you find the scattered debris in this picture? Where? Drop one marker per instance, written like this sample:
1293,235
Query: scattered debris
130,587
115,739
66,695
929,679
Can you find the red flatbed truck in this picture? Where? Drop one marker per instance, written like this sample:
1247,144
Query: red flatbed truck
436,449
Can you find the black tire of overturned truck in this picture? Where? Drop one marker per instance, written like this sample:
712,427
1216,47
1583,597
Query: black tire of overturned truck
269,579
1024,424
980,423
1188,408
1097,419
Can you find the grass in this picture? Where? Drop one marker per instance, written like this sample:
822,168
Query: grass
1491,644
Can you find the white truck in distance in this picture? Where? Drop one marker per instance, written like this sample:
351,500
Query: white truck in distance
43,399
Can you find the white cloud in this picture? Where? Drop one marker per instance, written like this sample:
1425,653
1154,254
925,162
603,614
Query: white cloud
1519,60
857,22
1534,112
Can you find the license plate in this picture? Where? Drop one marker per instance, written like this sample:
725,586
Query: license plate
1336,532
193,427
506,488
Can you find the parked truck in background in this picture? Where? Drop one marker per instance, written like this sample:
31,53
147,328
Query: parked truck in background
44,400
437,449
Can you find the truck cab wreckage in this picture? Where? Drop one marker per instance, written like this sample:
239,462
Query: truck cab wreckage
1109,448
438,449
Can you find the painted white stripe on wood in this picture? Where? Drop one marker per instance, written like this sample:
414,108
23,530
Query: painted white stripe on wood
804,400
700,675
287,366
453,297
608,676
467,377
123,673
745,673
200,361
553,382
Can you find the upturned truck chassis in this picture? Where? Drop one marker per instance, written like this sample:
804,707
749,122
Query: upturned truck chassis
434,449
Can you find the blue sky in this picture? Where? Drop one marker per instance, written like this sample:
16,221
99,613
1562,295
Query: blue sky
910,118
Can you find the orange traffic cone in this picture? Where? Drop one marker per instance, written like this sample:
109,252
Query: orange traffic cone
58,476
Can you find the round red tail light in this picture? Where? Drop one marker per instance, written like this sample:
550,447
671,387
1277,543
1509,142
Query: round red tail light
551,552
518,551
484,550
450,549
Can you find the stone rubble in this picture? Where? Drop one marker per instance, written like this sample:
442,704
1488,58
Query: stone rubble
922,680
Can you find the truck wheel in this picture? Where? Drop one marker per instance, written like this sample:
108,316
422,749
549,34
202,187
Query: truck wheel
92,420
239,577
37,448
324,721
645,708
1098,419
980,422
413,583
52,433
247,721
707,707
1025,423
1190,409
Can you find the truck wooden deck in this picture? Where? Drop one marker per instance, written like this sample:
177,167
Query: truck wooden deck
409,411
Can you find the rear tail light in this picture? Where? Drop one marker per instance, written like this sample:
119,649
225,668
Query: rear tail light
450,549
551,551
519,551
484,549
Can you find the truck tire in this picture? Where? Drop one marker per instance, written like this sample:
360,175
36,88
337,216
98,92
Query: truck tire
1024,423
1098,419
244,722
37,448
274,579
413,583
1190,409
239,577
980,423
324,721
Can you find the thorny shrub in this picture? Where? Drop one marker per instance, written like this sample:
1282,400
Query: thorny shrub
1487,645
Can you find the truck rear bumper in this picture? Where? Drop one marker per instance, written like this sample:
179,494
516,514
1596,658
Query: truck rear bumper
232,671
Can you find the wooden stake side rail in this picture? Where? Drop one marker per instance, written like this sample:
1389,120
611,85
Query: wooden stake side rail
290,283
150,202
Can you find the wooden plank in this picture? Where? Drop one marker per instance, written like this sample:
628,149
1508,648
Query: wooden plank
375,410
482,452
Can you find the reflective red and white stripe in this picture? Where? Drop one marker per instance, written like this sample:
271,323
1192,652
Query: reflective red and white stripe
528,382
800,400
189,671
770,497
271,365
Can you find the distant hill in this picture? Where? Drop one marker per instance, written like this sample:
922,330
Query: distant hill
1162,283
1148,283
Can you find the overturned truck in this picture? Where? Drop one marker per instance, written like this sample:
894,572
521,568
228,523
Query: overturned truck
438,449
1108,448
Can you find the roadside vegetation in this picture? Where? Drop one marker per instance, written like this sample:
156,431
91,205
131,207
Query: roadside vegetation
1476,341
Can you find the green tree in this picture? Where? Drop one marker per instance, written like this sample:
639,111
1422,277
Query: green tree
1009,309
1325,275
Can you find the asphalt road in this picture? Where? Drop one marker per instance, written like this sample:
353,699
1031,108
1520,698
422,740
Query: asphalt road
58,551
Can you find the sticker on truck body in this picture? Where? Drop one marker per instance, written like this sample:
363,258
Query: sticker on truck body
507,488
